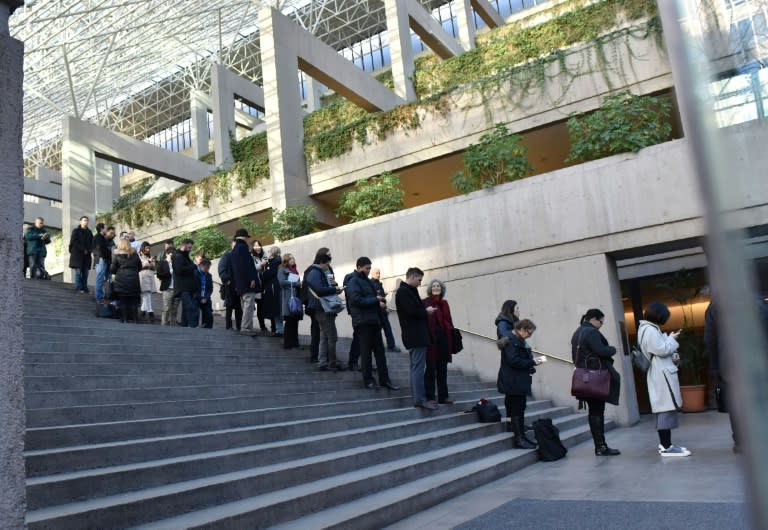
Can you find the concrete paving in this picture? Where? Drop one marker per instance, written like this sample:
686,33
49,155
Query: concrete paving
638,489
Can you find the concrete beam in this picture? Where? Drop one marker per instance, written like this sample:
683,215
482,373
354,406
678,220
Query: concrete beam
402,16
51,214
42,189
485,10
225,85
12,484
199,104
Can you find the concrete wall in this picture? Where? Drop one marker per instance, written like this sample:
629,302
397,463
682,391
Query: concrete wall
546,242
12,472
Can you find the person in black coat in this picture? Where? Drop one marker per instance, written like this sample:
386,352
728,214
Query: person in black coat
80,248
185,283
364,305
245,278
103,245
272,298
415,333
125,268
228,292
517,366
590,349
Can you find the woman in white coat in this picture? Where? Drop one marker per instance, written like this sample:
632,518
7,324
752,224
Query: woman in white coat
663,384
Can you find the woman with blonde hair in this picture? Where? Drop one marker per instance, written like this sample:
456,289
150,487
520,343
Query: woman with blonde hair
125,268
271,298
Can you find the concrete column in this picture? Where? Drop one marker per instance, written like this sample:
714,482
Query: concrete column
198,103
400,49
223,115
78,185
12,472
312,98
466,22
106,185
285,128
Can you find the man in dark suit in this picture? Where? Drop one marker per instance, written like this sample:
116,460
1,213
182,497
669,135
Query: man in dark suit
413,322
245,278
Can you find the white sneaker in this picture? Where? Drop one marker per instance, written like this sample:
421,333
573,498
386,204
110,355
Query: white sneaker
661,448
674,450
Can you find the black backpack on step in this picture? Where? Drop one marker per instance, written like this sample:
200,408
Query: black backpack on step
548,439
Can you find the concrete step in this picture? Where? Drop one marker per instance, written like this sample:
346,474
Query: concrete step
269,397
281,488
40,438
384,508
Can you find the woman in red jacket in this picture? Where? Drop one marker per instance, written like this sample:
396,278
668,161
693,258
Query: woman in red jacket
441,343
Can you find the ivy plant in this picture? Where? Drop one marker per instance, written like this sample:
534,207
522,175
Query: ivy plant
210,239
294,221
624,123
498,157
372,197
132,193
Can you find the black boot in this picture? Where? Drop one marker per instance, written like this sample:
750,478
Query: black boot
123,313
520,441
151,316
136,314
597,427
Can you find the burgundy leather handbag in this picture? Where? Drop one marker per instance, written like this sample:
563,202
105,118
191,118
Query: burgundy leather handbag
588,383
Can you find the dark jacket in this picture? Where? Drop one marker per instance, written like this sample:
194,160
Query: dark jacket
317,280
589,349
412,316
243,269
126,271
102,248
36,239
362,303
184,277
205,291
163,272
272,292
80,246
517,365
225,268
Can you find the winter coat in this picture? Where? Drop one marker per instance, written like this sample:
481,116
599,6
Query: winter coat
271,298
225,268
517,364
184,278
362,301
36,239
205,280
440,330
164,274
316,279
287,289
243,269
663,384
80,247
102,248
147,275
589,349
412,316
125,269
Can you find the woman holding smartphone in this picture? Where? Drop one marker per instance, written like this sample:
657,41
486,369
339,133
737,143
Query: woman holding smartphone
663,384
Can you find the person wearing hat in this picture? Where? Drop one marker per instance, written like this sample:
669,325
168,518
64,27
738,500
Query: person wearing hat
245,278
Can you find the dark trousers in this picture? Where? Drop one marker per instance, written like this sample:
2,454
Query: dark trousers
232,303
436,370
369,338
190,312
515,405
206,313
354,349
260,314
314,341
596,407
291,333
387,327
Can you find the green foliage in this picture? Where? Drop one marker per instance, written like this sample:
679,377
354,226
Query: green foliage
254,228
498,157
132,193
623,123
212,241
372,197
294,221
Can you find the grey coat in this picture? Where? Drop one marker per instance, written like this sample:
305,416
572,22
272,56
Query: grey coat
285,287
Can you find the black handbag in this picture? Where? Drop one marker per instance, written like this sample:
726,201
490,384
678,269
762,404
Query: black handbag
487,412
458,341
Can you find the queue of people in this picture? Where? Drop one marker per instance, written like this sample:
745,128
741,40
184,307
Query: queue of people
257,286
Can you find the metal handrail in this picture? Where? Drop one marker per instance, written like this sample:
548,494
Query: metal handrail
561,359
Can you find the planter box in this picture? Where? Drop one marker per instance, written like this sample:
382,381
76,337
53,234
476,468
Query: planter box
694,398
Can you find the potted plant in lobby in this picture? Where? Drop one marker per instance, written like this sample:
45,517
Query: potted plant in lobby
684,288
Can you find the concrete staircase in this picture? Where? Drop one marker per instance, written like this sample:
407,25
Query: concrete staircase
165,427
